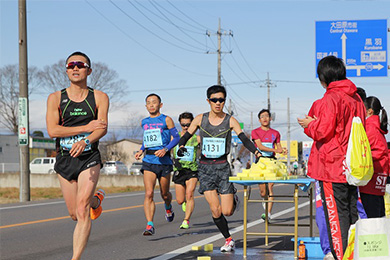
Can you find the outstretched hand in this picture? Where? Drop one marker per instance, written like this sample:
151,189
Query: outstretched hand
181,151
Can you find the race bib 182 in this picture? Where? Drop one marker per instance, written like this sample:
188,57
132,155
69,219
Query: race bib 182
152,138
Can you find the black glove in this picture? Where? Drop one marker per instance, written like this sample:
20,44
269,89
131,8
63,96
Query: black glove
181,151
177,163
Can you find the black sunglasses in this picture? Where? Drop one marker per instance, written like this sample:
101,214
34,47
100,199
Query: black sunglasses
215,100
79,64
185,125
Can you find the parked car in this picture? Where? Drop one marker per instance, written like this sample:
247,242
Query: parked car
43,165
114,167
135,168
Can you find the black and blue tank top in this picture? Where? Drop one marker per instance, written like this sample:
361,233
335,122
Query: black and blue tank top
76,114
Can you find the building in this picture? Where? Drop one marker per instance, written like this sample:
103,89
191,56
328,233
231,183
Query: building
9,151
123,150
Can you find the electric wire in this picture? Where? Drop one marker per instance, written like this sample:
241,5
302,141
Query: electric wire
161,28
151,32
141,45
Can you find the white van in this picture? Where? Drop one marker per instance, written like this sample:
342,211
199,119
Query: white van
43,165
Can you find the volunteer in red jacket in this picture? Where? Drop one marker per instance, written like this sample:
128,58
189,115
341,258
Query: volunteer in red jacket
330,131
376,128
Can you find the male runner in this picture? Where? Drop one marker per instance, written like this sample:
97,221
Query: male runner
186,171
268,141
157,163
77,117
214,169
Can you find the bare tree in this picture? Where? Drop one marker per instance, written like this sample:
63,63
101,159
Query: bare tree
102,78
133,129
9,94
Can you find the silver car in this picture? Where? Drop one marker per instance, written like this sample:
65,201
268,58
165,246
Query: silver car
114,167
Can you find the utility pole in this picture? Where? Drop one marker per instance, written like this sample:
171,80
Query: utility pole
268,85
219,34
23,129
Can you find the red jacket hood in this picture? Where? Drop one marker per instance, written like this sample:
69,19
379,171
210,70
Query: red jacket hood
345,86
375,121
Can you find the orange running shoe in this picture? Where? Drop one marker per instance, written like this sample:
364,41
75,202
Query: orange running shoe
95,213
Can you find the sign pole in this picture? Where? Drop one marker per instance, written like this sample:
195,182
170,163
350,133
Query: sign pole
23,129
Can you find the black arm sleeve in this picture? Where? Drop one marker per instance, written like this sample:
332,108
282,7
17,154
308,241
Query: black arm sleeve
247,143
183,140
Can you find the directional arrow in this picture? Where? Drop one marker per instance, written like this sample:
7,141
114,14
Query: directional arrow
358,68
344,47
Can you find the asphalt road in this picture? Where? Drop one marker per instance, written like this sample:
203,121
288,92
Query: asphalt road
43,230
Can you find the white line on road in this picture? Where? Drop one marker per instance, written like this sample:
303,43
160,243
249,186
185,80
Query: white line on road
185,249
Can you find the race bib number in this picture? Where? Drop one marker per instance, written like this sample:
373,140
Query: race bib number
152,138
67,142
213,147
188,156
265,153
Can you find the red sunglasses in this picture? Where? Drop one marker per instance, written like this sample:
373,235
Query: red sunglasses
79,64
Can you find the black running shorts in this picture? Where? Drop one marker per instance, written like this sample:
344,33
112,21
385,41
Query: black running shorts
161,170
180,177
70,167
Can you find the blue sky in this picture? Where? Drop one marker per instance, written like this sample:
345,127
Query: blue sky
160,46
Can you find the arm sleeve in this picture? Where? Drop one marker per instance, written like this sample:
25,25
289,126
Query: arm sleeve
176,137
247,143
142,147
183,140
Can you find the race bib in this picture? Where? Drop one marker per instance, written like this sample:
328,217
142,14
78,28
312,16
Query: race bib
265,153
213,147
152,138
188,156
67,142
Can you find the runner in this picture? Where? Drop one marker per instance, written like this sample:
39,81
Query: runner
268,141
186,171
214,169
77,117
157,163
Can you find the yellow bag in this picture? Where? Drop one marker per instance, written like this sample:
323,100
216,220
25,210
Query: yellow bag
358,165
348,254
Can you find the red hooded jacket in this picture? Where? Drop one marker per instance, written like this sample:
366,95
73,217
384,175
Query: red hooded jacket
330,131
380,157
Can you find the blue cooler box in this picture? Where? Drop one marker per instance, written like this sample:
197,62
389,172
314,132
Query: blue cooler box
313,247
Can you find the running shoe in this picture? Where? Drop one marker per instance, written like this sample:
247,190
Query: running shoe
185,224
329,256
169,214
228,246
269,216
263,204
184,206
236,203
149,231
95,213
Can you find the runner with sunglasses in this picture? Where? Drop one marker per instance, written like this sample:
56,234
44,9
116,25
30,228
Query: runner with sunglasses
160,136
214,170
77,117
185,169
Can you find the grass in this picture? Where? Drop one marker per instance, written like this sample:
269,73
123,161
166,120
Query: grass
11,195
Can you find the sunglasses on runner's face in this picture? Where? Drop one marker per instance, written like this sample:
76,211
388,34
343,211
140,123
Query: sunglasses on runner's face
79,64
185,125
215,100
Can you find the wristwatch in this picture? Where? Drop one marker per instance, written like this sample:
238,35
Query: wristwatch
87,141
166,149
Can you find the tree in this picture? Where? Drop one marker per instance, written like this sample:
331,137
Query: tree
102,78
9,94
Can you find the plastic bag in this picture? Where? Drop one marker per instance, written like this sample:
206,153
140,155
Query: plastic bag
348,254
372,239
358,165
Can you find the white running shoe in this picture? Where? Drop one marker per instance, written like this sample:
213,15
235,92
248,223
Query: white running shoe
329,256
228,246
263,203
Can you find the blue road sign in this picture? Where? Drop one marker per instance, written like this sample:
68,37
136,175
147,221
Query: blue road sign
362,44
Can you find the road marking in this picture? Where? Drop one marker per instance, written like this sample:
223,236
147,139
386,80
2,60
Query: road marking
203,242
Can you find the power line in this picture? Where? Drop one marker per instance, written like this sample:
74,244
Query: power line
141,45
243,57
151,32
161,28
